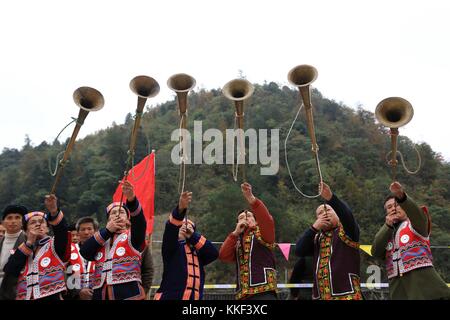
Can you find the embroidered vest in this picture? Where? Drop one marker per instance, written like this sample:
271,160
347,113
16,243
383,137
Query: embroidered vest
120,263
407,250
336,266
79,271
192,287
42,276
255,266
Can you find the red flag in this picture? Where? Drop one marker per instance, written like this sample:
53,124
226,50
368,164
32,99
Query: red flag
142,177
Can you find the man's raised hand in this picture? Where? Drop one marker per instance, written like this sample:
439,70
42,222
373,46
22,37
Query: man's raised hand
247,193
397,190
185,199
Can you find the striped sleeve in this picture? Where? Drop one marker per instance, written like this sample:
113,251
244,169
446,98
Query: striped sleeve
26,250
197,240
174,221
201,242
176,217
137,211
55,220
99,238
134,207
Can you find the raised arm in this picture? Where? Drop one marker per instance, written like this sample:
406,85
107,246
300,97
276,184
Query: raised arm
138,224
170,236
419,218
262,216
60,228
137,218
343,211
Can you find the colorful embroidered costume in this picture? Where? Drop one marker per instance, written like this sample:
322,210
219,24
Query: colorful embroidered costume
405,248
252,252
117,258
336,256
40,268
184,262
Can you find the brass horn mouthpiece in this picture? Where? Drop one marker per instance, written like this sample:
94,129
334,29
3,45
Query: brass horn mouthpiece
144,86
88,99
394,112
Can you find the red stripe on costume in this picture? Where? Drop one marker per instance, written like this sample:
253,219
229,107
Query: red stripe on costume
190,273
201,242
193,275
174,221
58,219
136,212
197,281
186,294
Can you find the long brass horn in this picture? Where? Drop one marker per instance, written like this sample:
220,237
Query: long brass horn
87,99
182,83
394,112
302,76
239,90
144,87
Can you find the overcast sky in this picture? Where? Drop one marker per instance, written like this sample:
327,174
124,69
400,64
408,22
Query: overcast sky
364,51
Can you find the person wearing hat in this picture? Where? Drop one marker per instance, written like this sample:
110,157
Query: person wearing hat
185,253
39,262
403,242
117,250
14,236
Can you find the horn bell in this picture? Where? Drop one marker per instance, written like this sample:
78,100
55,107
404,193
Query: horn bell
144,86
302,75
238,89
181,82
88,99
394,112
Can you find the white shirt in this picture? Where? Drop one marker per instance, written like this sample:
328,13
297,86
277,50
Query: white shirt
7,247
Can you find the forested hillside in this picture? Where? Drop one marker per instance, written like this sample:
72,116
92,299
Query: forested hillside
352,153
